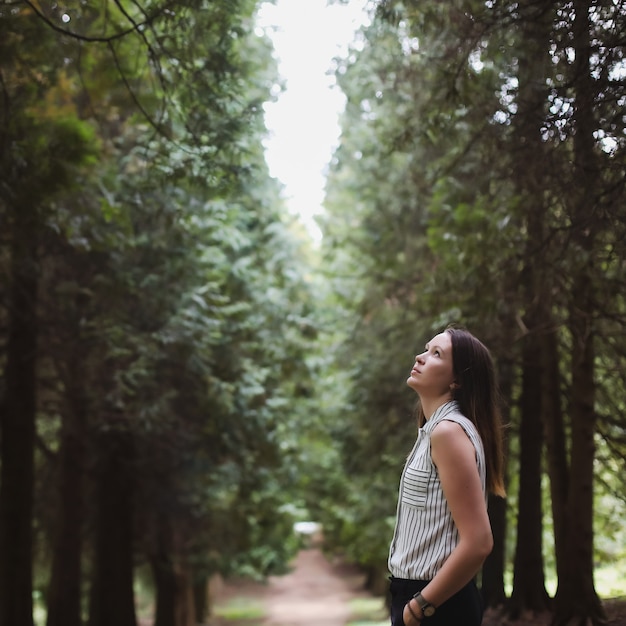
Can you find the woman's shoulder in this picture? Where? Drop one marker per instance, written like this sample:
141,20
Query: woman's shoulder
459,418
452,428
454,422
451,412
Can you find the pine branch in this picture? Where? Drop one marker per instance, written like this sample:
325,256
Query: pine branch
135,26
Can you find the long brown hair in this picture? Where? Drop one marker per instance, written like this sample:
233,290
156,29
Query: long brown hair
476,392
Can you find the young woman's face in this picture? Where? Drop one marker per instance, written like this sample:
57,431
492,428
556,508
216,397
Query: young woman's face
432,374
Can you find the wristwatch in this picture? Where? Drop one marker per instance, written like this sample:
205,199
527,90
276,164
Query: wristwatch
428,610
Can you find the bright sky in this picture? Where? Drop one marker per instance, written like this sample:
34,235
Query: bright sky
303,123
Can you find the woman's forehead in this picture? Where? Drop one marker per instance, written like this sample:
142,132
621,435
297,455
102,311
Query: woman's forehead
442,339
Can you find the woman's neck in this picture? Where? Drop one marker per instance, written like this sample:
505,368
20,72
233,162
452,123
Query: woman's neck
430,405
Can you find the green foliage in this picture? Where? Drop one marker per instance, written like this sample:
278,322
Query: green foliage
433,200
174,308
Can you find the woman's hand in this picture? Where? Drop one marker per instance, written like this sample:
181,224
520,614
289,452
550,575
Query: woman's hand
412,614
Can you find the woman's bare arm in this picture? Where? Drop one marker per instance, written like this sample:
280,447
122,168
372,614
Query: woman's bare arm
455,457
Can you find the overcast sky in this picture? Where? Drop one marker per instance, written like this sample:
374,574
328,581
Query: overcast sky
303,123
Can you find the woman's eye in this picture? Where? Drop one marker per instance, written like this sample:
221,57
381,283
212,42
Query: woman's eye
436,353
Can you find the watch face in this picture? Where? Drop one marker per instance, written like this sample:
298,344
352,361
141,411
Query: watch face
428,610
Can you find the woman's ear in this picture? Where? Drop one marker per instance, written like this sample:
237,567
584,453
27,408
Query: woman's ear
455,386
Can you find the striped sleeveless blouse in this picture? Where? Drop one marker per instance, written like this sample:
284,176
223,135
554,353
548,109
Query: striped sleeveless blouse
425,534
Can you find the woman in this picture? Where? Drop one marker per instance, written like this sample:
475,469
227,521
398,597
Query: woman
442,533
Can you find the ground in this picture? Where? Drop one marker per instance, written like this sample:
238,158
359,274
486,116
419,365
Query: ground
319,592
315,592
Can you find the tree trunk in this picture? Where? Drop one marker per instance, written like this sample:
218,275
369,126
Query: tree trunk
185,602
164,575
201,602
112,598
64,595
18,428
556,445
492,580
577,601
529,590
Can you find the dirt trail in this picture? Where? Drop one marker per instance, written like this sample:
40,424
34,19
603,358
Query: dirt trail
315,592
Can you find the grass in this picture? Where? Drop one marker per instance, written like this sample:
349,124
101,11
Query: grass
368,612
240,609
249,611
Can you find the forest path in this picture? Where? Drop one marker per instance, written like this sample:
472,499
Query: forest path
315,592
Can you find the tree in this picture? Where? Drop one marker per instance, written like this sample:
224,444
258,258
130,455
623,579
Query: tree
576,598
33,174
533,21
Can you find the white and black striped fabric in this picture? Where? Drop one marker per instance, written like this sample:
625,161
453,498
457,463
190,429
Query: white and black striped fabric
425,534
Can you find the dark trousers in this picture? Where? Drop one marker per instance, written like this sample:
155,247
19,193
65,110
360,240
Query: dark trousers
464,608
